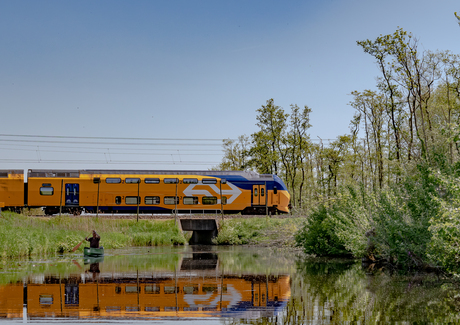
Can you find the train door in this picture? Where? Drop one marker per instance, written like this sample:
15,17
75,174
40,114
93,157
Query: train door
275,196
72,194
259,295
259,195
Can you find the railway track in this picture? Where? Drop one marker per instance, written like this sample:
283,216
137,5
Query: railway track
166,216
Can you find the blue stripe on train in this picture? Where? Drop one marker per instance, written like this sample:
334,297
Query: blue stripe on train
246,184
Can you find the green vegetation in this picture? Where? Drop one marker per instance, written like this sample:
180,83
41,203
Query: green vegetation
392,224
389,189
22,236
262,231
344,291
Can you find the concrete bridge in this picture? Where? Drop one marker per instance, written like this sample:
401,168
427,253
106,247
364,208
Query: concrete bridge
204,230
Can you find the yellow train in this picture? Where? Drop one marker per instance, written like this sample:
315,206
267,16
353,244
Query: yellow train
129,191
184,296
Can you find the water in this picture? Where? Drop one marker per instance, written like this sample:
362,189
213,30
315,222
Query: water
217,285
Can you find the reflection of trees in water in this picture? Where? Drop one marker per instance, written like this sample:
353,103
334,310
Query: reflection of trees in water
345,293
340,292
259,261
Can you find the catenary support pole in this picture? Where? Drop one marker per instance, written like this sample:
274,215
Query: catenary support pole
138,198
97,209
60,203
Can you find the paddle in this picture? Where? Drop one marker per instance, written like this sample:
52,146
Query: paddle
77,264
78,246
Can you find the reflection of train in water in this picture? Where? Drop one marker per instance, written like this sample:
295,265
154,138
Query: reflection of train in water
72,191
184,295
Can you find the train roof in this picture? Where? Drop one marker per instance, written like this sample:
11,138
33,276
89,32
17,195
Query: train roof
6,172
213,173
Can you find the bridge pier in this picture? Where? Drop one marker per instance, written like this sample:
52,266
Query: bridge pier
204,230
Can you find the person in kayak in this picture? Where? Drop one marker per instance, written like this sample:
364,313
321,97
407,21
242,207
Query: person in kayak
94,241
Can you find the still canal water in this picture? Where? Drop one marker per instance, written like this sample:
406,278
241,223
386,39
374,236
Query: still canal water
217,285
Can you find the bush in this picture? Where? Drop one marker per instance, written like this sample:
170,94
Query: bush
396,220
318,235
444,246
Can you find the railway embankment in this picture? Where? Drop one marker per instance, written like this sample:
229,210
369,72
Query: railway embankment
22,235
273,231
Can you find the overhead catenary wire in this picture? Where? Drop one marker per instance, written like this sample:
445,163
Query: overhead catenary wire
82,150
58,149
106,148
113,153
113,143
105,138
113,162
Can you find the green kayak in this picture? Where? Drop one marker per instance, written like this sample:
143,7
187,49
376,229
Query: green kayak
93,252
92,259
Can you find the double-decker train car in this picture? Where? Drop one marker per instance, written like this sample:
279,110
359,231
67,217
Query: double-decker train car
129,191
189,296
12,189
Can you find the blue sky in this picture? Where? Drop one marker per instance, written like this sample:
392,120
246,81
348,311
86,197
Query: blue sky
192,70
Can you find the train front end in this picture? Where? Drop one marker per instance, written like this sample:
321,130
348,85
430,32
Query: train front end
283,197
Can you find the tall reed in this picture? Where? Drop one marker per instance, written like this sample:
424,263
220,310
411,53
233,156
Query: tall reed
22,235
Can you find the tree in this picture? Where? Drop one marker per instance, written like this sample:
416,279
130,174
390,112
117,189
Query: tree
372,109
267,142
296,149
236,154
381,49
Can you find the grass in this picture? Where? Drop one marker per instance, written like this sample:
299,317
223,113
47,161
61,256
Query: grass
262,231
21,235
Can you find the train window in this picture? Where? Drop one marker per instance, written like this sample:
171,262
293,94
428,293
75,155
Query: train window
117,289
151,308
193,309
113,180
131,289
152,181
223,181
118,199
46,190
170,200
45,299
152,200
209,200
262,192
154,288
190,200
209,288
191,289
171,289
190,181
171,181
209,181
131,200
46,185
256,192
132,180
3,174
275,190
224,200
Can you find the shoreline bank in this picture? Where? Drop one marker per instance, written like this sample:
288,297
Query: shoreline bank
22,235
